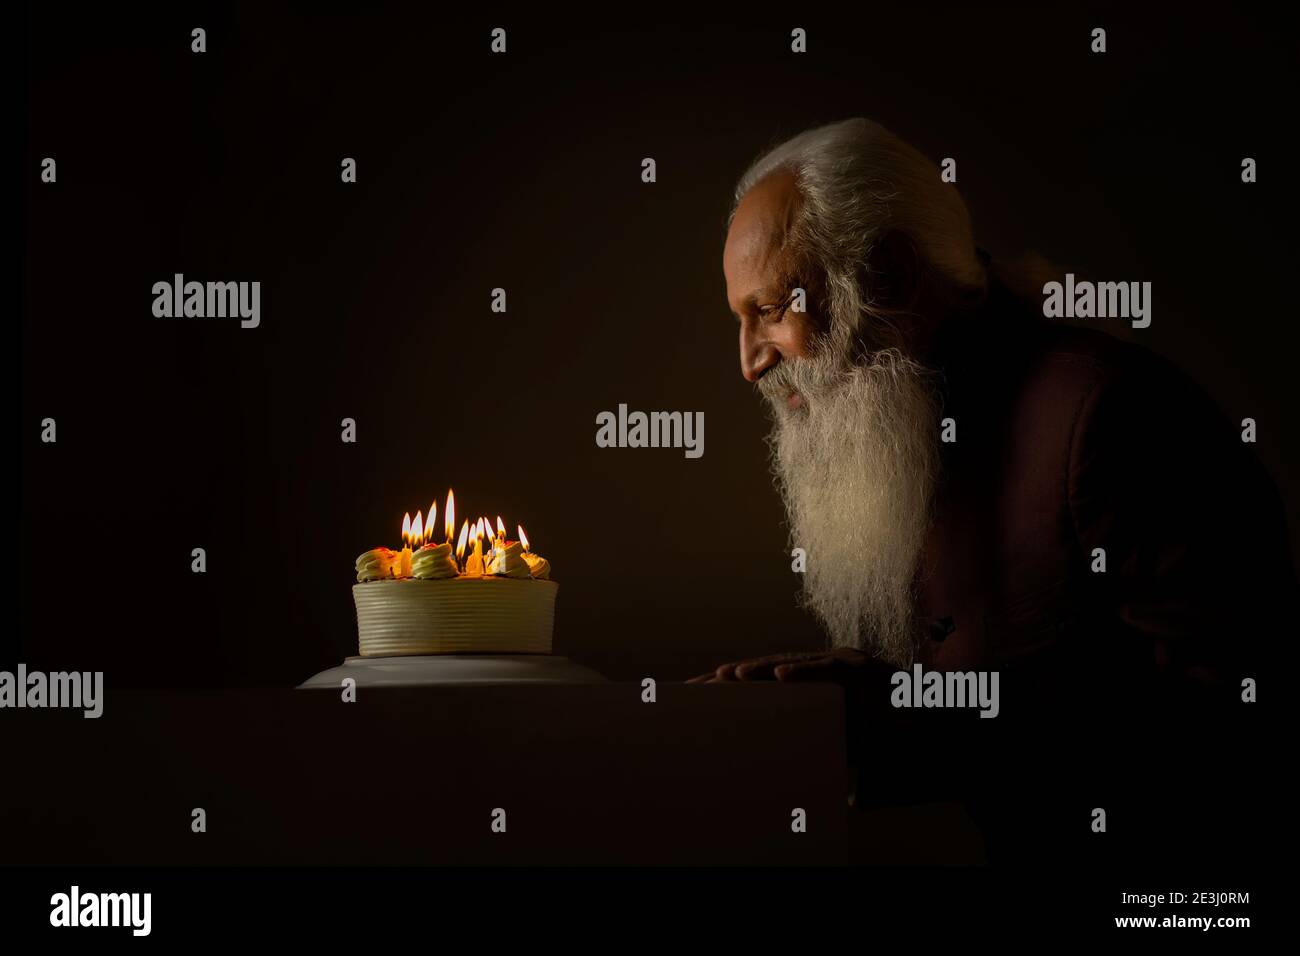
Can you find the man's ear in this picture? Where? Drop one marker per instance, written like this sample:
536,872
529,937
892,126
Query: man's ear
893,273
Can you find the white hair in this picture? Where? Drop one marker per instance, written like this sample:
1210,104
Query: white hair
857,461
856,465
856,183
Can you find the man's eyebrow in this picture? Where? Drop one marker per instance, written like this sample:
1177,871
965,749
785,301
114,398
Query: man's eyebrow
758,294
753,299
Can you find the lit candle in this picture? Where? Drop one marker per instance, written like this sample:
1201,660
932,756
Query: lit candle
428,525
501,532
460,548
405,569
451,514
474,565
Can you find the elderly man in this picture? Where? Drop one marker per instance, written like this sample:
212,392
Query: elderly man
975,487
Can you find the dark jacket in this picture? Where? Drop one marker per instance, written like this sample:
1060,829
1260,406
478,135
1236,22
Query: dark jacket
1069,440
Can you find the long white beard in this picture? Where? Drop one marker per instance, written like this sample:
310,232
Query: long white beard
856,466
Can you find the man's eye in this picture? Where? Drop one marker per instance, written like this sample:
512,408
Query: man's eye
770,312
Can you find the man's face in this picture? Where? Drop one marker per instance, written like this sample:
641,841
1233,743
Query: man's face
853,438
760,281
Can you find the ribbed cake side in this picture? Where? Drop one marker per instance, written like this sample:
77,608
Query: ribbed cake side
487,615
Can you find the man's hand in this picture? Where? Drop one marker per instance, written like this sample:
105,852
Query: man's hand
842,665
866,681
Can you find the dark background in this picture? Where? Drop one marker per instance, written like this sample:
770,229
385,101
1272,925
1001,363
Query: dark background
523,171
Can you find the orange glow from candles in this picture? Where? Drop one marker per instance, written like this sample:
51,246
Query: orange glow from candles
523,538
428,525
451,514
501,527
417,529
406,529
464,535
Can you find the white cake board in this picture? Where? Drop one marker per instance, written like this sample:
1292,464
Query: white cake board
454,669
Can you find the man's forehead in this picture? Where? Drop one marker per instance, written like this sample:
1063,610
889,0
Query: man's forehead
759,227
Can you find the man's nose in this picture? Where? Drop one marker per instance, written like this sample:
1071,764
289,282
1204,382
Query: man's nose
757,354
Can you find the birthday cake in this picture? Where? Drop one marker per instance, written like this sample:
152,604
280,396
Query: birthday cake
488,596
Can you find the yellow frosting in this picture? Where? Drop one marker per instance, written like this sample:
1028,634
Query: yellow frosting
433,561
377,564
538,566
508,562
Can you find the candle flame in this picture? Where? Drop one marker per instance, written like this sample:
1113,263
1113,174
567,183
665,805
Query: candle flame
419,532
464,534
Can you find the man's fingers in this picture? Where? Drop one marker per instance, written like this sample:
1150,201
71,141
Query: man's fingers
823,668
756,670
780,658
725,672
765,668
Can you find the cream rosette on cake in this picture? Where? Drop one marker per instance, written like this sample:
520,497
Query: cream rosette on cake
378,564
508,562
433,562
538,566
